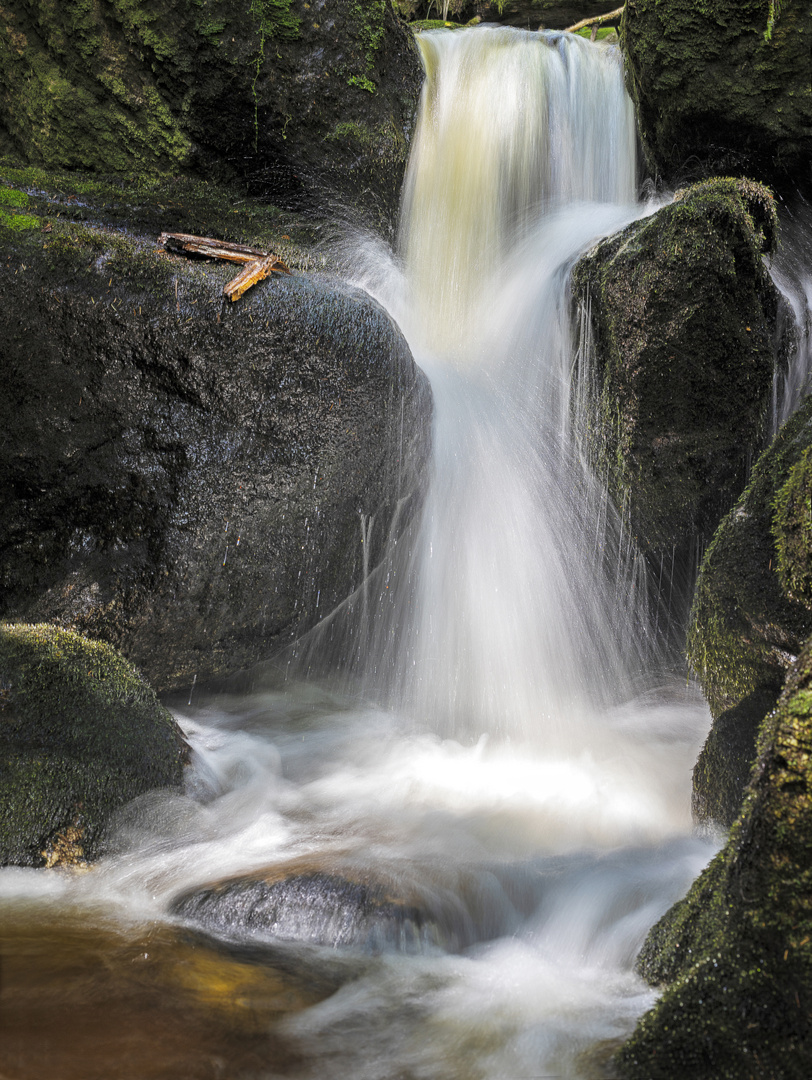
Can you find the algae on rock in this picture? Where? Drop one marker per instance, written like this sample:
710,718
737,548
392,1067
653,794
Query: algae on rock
737,951
81,734
746,629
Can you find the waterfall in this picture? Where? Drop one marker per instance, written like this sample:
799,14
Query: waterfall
502,779
516,610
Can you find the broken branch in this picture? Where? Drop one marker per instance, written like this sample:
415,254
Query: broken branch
596,20
258,264
251,274
185,244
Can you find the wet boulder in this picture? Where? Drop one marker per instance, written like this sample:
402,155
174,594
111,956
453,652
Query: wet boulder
679,355
81,734
192,480
722,88
307,103
346,902
752,613
735,955
314,907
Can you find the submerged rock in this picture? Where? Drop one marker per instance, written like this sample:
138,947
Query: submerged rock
722,88
682,315
308,103
316,907
191,480
81,734
751,614
337,902
736,953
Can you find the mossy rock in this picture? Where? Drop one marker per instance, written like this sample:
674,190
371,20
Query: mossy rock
81,734
247,90
683,315
722,87
792,531
736,953
746,629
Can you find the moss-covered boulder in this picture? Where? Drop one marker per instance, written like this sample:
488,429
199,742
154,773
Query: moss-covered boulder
722,87
746,626
81,734
306,102
183,477
682,315
736,953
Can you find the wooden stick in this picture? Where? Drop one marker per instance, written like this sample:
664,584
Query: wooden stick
596,20
258,264
185,243
251,274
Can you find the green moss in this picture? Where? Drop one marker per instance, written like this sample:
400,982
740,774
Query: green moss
369,17
275,19
82,734
11,197
737,951
434,24
603,33
18,222
792,530
744,629
772,18
87,212
718,91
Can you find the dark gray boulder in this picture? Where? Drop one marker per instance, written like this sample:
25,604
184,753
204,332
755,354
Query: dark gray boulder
183,477
682,314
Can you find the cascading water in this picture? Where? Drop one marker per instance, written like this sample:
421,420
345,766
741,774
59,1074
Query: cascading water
524,152
515,773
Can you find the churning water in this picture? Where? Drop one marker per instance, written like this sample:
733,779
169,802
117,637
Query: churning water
483,822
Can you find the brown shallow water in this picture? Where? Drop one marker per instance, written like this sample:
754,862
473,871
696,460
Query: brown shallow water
87,1002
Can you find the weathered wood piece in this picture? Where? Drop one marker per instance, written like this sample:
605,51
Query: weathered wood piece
251,274
596,20
186,244
258,264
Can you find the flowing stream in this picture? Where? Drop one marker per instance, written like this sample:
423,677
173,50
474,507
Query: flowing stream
499,773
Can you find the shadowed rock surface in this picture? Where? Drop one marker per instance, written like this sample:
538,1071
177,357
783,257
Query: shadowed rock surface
722,88
183,477
746,627
736,953
307,103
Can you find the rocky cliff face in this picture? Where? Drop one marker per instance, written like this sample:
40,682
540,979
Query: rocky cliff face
722,88
309,103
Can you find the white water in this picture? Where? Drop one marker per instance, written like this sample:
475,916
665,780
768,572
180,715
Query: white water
525,773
